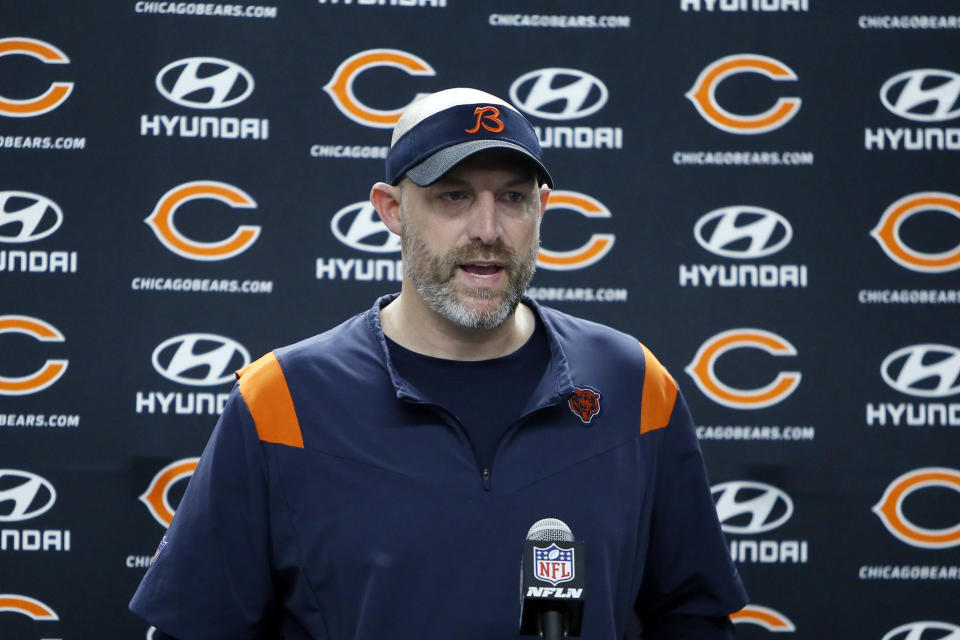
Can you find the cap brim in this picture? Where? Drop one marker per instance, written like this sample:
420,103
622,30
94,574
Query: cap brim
431,169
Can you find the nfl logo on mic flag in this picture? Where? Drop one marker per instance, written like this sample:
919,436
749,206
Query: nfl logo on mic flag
553,564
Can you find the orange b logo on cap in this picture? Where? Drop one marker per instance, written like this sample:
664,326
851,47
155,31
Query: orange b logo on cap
487,113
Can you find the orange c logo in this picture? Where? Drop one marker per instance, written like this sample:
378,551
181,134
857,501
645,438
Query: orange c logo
490,113
890,508
51,370
53,97
13,603
703,94
765,617
157,496
595,248
887,232
340,87
161,221
701,369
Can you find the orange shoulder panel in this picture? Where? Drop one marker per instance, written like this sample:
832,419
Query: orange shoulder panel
659,394
264,389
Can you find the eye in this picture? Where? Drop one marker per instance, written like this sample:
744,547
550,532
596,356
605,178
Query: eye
453,196
513,196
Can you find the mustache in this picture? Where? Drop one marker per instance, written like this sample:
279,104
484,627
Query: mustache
479,251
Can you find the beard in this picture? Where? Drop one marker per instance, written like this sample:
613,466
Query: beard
469,307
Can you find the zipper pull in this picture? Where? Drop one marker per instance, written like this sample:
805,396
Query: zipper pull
486,479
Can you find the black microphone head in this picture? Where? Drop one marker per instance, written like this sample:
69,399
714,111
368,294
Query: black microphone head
550,529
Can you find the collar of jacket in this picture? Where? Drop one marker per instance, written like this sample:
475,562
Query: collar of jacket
556,384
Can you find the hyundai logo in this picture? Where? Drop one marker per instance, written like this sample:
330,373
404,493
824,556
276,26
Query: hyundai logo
924,95
742,231
358,226
204,83
556,93
924,370
918,631
25,217
24,495
199,359
764,506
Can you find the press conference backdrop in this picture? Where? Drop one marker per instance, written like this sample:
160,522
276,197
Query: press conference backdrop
764,192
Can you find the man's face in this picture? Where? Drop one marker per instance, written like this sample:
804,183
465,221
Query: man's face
470,240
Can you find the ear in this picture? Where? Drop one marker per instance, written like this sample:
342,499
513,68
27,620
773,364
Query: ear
385,199
544,196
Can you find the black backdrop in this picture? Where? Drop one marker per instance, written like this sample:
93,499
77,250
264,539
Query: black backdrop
739,248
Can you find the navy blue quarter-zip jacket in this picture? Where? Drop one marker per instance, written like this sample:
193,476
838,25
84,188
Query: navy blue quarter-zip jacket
334,502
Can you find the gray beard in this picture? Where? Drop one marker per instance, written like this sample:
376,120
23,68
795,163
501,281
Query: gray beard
442,298
433,277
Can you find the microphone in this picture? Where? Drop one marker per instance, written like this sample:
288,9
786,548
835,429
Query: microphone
551,581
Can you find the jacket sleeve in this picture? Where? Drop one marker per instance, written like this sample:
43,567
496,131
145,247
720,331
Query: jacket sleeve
690,584
211,579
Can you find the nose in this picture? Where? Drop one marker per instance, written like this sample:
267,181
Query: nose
484,223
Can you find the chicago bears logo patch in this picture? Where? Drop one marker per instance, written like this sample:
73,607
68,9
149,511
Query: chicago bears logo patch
585,403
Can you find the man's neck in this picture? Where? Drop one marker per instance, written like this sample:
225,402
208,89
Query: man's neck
410,323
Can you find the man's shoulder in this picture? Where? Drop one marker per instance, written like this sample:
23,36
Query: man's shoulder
590,345
332,347
579,334
331,343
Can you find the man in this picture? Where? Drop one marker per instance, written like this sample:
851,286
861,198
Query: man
377,481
